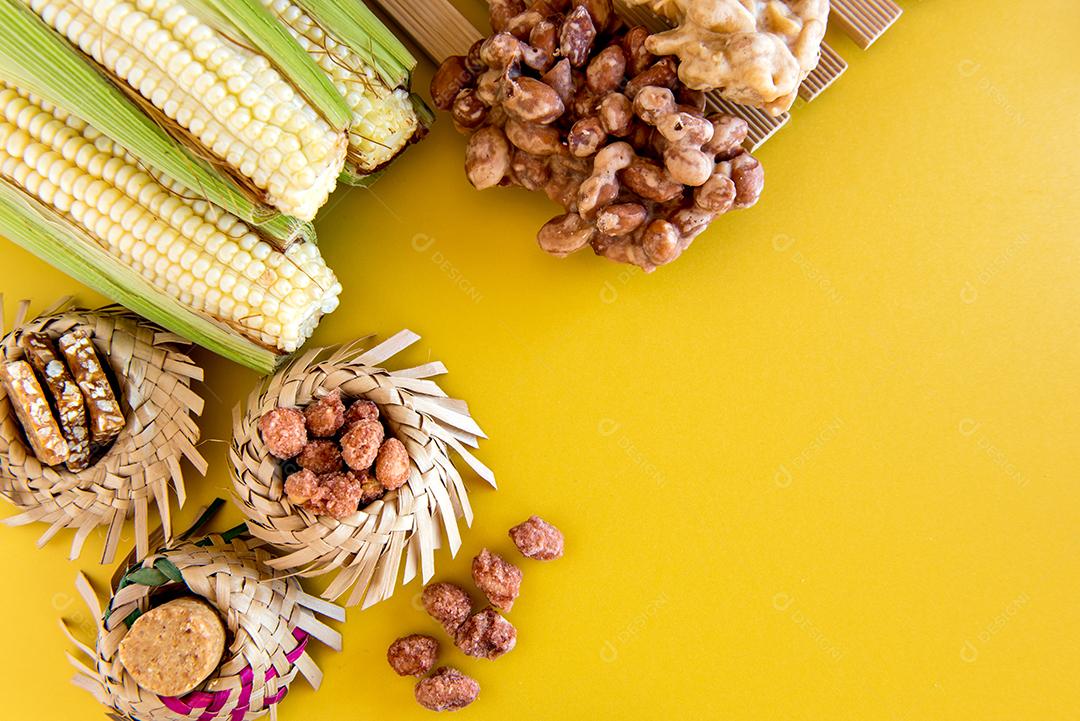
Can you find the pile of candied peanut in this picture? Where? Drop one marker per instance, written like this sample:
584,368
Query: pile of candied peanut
567,99
345,458
481,634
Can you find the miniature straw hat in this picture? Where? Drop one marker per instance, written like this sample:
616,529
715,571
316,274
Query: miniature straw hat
365,550
268,617
153,373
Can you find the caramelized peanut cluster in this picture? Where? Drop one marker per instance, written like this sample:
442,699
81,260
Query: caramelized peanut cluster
565,98
345,459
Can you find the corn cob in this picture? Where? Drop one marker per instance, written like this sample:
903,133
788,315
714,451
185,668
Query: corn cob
37,59
238,106
189,251
385,119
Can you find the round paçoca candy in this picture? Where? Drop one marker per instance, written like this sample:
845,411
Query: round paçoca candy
172,648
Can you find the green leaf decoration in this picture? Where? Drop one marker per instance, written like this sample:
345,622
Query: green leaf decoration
169,570
148,577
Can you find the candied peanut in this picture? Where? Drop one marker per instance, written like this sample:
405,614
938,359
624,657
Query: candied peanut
361,410
616,114
622,250
412,655
392,464
576,36
473,63
325,416
521,25
729,132
370,488
544,107
469,111
662,73
717,195
602,187
497,579
585,137
320,456
563,186
532,101
638,57
486,634
691,222
561,79
601,11
300,487
606,71
686,164
650,181
661,242
502,12
451,78
283,432
446,690
531,172
563,235
360,444
621,218
487,157
500,51
585,103
544,36
532,137
749,178
487,86
343,493
538,539
448,604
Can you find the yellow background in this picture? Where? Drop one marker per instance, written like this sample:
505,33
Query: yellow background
823,467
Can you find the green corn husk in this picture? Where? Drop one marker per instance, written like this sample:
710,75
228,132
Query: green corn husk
35,58
353,24
263,31
69,248
376,49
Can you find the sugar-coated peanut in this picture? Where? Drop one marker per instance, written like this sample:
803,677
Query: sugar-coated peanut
538,539
487,157
320,456
360,444
283,432
412,655
497,578
325,416
565,234
448,604
392,464
486,634
446,690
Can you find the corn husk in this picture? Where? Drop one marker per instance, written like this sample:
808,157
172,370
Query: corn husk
39,61
353,24
263,31
67,246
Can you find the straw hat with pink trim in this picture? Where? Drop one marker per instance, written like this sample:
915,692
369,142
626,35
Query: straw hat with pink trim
270,623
